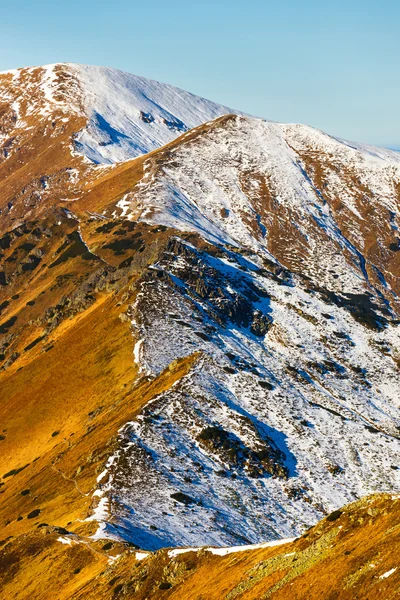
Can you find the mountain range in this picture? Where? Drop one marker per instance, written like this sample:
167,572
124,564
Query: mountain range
199,346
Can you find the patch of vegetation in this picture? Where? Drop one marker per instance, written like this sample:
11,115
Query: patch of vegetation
4,327
107,546
121,245
118,588
335,469
131,225
34,261
202,336
261,324
334,516
107,227
165,585
15,471
34,343
372,429
74,247
362,307
5,241
358,370
257,463
299,375
27,247
146,117
183,498
4,305
330,410
266,385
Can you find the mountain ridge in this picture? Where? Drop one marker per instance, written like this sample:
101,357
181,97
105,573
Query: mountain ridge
80,68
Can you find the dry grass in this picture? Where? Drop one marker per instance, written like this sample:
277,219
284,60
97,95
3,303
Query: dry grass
344,556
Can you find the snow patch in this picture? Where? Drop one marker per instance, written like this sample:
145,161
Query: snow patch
231,549
388,573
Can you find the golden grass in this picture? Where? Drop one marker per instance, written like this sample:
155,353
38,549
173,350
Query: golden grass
344,557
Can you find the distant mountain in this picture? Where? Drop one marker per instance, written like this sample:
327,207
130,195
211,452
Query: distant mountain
199,315
127,115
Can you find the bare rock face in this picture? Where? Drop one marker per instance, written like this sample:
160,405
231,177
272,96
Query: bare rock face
199,341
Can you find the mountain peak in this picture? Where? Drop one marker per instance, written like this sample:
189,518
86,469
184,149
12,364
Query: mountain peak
128,115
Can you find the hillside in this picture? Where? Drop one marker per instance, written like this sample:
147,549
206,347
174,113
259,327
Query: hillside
350,554
199,320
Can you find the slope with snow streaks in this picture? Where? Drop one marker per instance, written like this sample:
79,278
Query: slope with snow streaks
288,192
131,115
282,421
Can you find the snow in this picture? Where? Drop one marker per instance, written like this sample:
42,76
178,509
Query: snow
12,72
101,511
48,80
388,573
178,551
232,549
65,540
101,476
131,115
316,423
136,352
223,170
142,555
124,205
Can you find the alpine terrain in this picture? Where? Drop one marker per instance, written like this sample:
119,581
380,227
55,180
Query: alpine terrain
199,348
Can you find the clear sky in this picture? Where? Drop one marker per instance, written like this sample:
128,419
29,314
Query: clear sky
334,65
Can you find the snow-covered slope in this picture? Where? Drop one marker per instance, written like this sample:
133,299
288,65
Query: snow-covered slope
289,192
292,411
131,115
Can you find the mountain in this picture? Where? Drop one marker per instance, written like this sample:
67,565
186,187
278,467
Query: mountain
126,115
199,317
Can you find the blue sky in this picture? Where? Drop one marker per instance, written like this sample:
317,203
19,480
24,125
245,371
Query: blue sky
333,65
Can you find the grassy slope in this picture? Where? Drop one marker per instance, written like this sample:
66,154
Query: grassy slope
64,399
350,555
